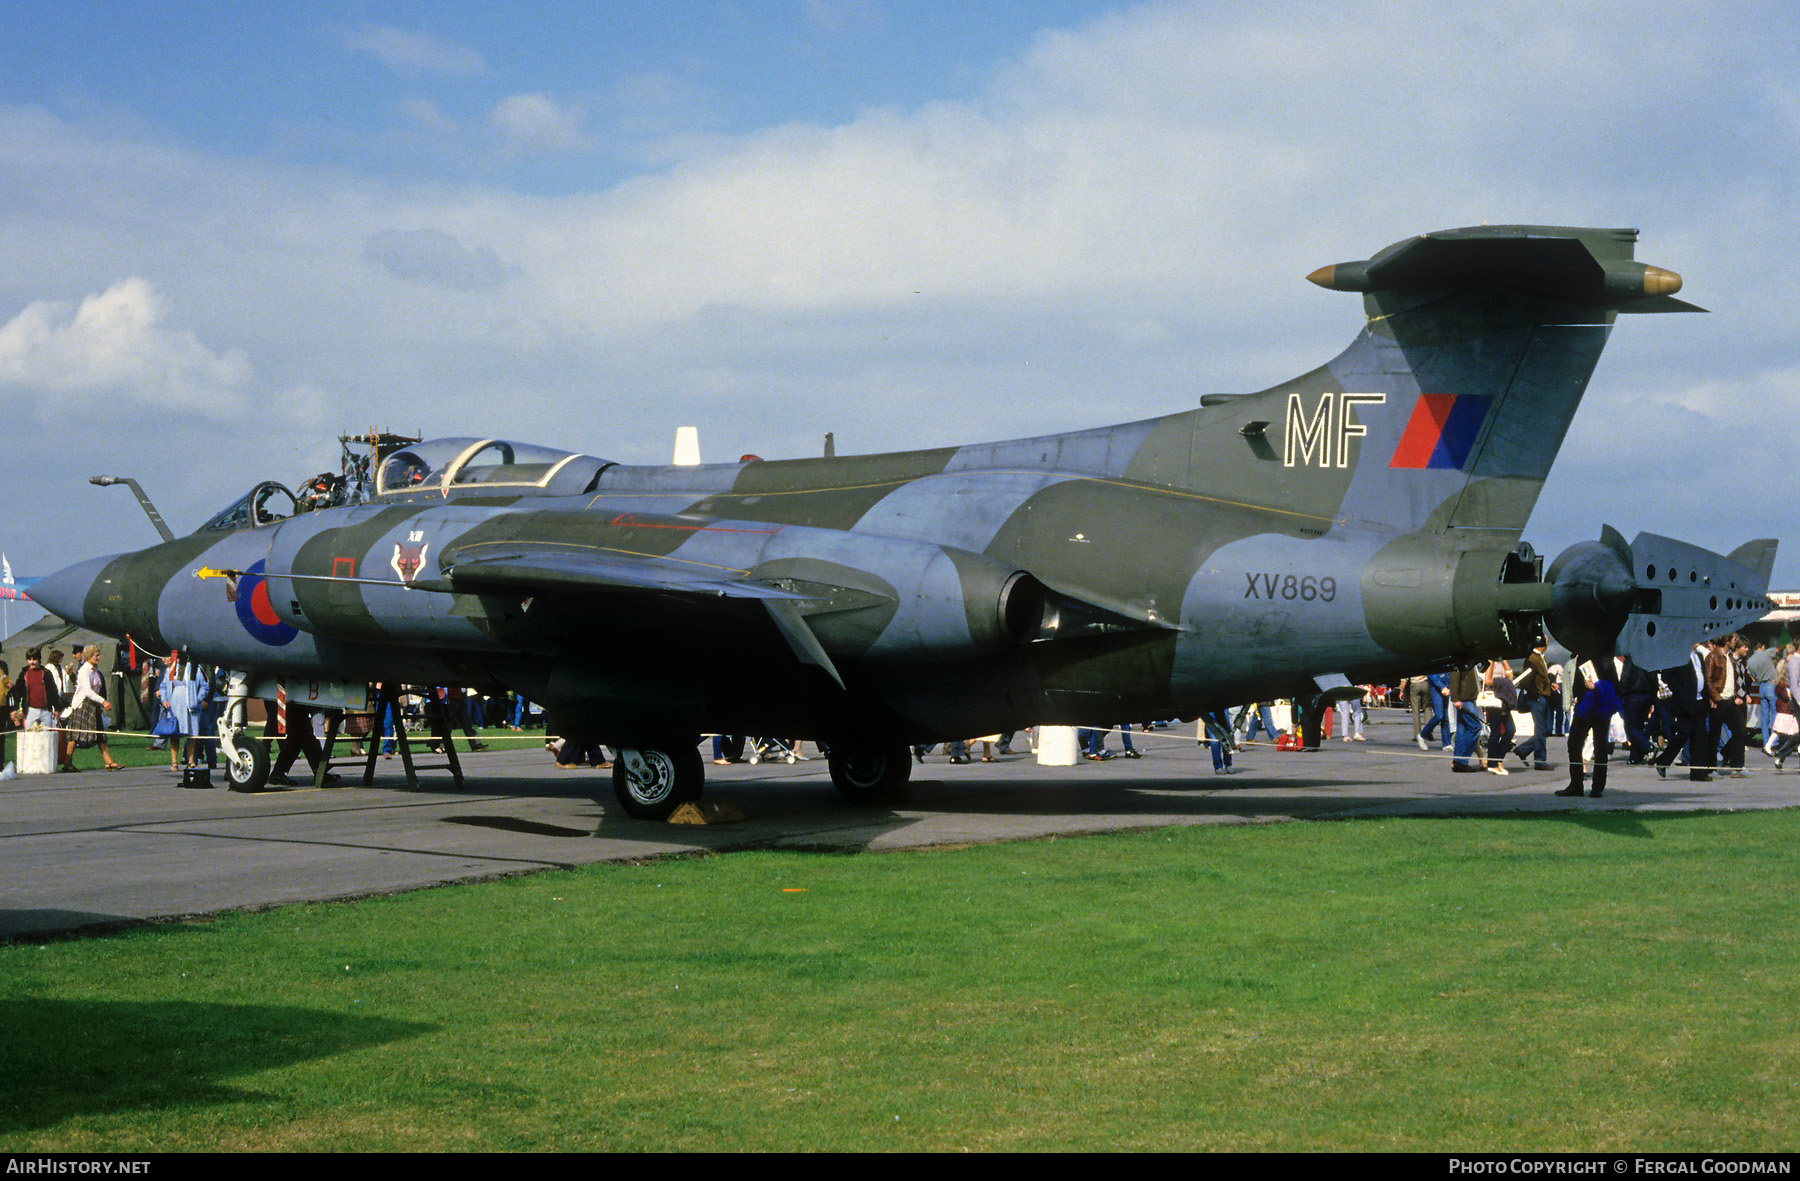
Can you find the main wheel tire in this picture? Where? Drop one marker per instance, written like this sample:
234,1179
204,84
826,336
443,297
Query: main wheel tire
250,773
651,782
869,773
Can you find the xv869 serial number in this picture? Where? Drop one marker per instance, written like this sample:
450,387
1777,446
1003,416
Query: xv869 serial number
1305,588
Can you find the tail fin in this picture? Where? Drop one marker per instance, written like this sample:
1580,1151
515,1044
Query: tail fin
1449,408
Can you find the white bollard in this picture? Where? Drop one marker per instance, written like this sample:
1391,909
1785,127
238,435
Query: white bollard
37,752
1056,746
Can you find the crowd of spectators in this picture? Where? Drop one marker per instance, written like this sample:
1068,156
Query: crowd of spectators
1702,715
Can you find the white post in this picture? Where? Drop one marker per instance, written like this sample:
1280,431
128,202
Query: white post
1056,746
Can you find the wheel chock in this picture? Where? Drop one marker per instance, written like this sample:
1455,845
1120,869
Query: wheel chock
707,812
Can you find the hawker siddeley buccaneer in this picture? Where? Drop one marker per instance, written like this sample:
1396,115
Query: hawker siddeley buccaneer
1355,524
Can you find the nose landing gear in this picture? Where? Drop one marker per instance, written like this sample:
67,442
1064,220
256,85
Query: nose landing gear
246,758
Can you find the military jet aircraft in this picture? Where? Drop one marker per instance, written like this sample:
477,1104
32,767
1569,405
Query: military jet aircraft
1357,523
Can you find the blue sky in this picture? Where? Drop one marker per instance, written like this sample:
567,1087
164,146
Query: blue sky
234,231
406,91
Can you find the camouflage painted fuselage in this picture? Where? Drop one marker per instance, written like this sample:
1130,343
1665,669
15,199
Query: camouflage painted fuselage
1359,520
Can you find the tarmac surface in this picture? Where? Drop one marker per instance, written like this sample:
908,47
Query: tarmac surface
101,851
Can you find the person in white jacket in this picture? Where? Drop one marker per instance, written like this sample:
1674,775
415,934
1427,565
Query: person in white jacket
89,703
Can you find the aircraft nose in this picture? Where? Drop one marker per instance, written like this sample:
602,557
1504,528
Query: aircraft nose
65,593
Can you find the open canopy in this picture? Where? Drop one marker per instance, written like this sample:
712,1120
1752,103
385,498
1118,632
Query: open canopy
445,464
264,504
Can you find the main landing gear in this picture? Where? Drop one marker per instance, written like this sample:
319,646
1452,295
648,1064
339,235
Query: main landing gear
652,781
868,772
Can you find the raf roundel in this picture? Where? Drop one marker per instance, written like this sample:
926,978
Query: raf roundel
255,611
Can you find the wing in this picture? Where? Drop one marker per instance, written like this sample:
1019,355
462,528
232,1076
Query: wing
551,567
807,599
554,567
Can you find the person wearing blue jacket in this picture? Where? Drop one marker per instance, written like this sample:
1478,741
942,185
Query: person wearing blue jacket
1593,714
185,692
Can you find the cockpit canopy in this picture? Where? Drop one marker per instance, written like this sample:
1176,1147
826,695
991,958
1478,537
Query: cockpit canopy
264,504
443,465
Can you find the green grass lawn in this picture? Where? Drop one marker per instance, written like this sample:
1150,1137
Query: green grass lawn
1554,982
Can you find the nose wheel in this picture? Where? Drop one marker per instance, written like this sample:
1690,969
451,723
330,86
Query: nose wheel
246,760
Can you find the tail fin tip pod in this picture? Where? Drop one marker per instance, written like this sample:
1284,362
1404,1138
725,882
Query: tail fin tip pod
1556,263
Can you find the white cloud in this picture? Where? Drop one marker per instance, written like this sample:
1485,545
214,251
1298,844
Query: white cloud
415,53
427,114
833,17
655,107
1744,398
1160,155
432,256
115,344
537,123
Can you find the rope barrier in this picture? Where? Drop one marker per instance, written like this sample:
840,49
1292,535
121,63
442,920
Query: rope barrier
1151,737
